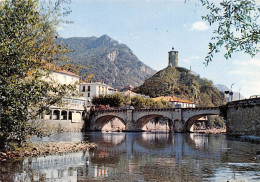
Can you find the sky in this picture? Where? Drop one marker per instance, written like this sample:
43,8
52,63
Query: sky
150,28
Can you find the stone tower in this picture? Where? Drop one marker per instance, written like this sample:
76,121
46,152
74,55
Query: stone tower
173,58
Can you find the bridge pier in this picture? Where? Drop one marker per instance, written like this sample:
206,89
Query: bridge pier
179,126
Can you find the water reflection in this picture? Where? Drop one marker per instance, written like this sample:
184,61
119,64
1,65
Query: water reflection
142,157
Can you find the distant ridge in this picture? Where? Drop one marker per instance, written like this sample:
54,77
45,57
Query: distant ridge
109,61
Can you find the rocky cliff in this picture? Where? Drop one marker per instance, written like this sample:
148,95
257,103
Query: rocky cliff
108,60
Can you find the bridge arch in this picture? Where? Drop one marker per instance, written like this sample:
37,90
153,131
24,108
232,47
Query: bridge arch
101,121
189,116
142,121
193,119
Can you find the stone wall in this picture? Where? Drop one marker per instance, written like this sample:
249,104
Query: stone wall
243,117
64,125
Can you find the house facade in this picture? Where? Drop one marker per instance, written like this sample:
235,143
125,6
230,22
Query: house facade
93,89
176,102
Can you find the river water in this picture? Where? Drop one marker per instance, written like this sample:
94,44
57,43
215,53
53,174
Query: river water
142,157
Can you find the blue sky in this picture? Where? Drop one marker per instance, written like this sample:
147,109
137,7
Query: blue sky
152,27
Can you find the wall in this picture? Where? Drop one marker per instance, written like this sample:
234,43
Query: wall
243,117
64,125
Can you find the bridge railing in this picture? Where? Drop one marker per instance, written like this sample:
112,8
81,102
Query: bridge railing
154,109
200,108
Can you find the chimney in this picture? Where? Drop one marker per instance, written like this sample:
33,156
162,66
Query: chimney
173,58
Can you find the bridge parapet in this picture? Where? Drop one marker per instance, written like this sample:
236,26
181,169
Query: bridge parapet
200,108
110,110
148,110
245,102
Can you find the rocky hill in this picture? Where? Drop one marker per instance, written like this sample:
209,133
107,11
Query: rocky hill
109,61
182,83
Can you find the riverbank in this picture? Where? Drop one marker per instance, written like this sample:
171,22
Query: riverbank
211,131
39,149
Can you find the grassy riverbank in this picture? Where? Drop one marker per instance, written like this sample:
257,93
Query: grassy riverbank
39,149
212,131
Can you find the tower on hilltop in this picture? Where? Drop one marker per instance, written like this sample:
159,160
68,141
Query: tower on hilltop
173,58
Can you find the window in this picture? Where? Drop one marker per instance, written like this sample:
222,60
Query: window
83,90
88,94
89,88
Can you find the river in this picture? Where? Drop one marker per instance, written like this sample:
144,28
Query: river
142,157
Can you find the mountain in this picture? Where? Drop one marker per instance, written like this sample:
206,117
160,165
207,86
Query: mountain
223,88
182,83
109,61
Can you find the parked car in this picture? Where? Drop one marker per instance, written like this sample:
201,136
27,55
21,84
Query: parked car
254,96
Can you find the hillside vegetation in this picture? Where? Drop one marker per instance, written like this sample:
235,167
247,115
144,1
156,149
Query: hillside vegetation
184,84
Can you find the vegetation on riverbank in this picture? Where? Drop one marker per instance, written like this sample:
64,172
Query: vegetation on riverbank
211,131
38,149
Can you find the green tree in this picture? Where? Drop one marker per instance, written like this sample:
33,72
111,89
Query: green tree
237,27
27,49
138,101
113,100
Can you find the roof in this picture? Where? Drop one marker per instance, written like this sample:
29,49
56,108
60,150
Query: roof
58,69
129,93
172,99
67,73
128,87
95,83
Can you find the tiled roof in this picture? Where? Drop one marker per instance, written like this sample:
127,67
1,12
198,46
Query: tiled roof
172,99
67,73
57,69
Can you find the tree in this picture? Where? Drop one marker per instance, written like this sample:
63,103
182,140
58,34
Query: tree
237,30
138,101
27,49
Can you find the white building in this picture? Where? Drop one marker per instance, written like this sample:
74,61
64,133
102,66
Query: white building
65,77
176,102
93,89
72,107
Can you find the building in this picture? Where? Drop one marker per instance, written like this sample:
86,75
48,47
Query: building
176,102
126,88
72,108
93,89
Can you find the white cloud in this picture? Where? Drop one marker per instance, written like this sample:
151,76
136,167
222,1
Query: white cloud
244,72
252,62
200,26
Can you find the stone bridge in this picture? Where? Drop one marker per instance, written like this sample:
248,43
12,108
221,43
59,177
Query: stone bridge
179,120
